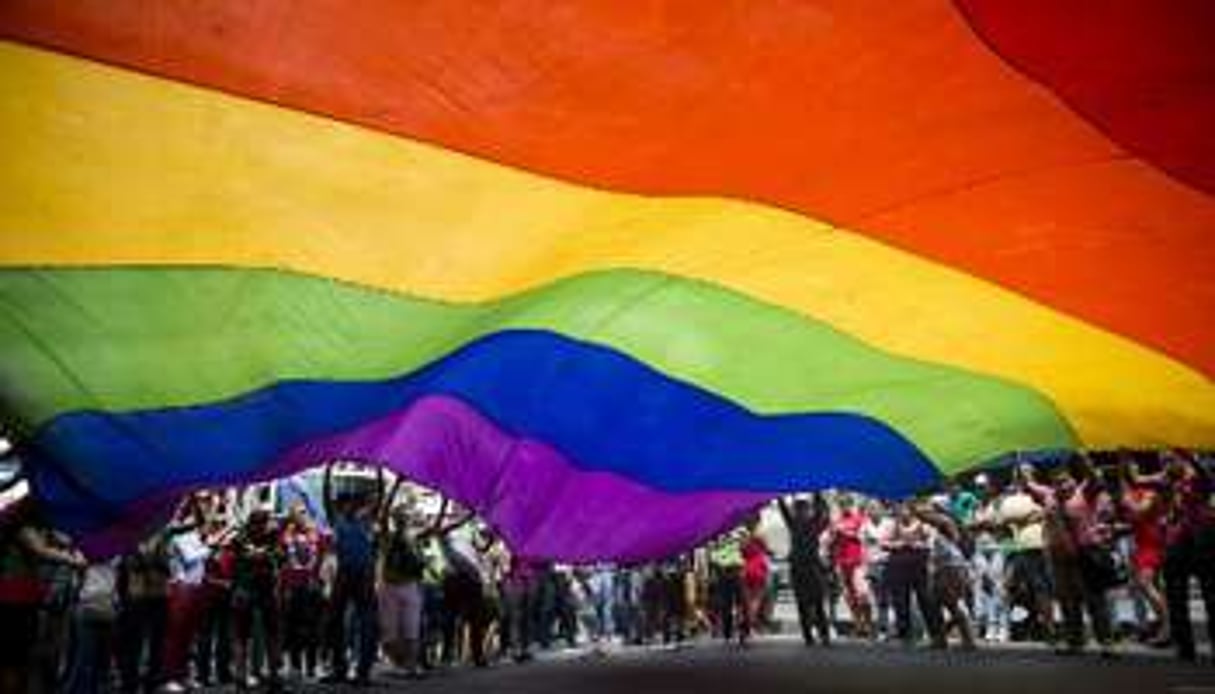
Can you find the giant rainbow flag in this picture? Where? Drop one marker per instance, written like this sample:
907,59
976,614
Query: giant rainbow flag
610,273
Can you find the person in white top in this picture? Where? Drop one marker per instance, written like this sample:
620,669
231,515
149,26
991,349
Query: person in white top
1029,584
875,535
188,556
988,564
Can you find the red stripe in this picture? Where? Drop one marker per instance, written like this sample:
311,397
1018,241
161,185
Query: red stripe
890,118
1141,70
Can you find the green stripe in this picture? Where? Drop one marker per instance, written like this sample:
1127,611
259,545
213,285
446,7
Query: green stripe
143,338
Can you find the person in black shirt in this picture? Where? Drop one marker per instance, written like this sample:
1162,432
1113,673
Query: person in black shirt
806,522
255,590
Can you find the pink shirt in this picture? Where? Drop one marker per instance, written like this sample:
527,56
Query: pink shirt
1090,516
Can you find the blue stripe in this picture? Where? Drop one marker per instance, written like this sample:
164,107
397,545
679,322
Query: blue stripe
605,410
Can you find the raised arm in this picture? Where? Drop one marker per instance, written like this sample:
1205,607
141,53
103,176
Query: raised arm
35,544
380,495
940,521
822,512
435,527
785,513
1041,493
387,505
327,492
444,530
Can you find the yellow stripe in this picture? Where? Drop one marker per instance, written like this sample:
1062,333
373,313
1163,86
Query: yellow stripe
107,166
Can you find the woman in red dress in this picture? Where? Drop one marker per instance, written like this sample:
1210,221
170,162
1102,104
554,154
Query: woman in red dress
756,555
1144,508
848,555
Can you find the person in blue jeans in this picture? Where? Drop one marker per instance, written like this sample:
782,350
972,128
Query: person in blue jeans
601,590
355,544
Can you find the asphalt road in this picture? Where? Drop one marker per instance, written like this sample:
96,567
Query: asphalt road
782,665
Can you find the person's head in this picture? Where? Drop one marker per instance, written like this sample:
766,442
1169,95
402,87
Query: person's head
203,505
1064,485
259,523
1080,467
984,486
214,524
801,507
1023,473
485,535
904,512
297,515
1177,467
846,503
401,517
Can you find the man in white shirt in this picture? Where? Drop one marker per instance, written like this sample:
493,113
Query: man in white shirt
991,542
1028,571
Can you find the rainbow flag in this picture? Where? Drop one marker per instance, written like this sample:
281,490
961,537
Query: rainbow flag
609,273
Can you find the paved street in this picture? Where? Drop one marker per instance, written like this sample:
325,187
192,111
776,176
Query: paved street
783,665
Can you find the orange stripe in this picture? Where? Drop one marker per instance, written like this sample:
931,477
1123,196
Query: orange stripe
891,118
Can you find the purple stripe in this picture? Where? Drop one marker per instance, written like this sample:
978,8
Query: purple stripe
541,503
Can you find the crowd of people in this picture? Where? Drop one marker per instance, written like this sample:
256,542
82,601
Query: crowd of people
220,597
1019,553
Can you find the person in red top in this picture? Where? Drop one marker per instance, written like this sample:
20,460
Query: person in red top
848,555
1144,508
213,645
755,554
